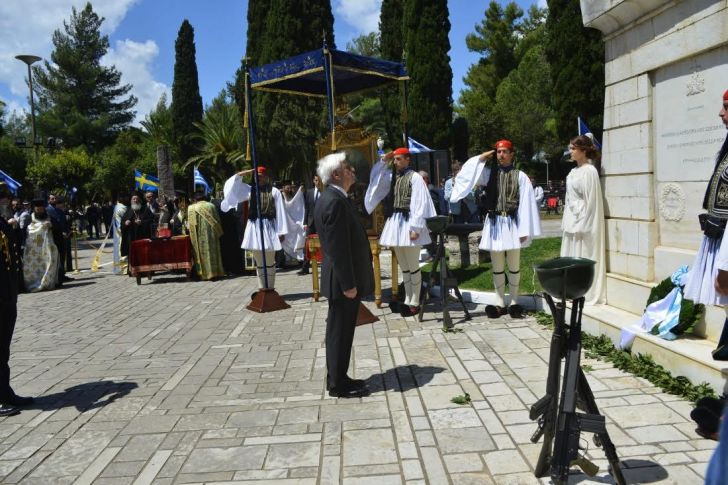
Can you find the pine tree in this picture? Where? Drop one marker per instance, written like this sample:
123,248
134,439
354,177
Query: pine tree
391,43
79,100
186,100
576,55
429,103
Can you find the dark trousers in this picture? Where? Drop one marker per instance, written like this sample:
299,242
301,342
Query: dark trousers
724,335
340,325
69,255
8,315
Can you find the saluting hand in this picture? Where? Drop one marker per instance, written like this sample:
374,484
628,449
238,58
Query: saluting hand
486,155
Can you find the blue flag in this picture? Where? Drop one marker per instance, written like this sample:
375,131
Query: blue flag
584,130
416,147
200,180
13,185
145,182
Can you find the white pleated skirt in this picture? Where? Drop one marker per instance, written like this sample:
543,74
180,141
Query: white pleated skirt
396,233
501,235
700,279
251,238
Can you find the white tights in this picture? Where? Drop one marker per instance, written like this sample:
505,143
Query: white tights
499,259
270,262
409,261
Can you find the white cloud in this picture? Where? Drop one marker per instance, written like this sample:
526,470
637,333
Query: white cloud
361,15
543,4
134,61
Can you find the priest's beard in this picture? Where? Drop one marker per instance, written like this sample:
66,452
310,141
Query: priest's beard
41,217
136,207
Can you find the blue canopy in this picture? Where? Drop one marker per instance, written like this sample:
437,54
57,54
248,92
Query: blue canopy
305,74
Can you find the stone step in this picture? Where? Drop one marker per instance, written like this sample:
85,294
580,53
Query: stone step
687,356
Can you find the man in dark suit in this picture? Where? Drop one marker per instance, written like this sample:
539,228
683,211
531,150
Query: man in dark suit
346,274
310,197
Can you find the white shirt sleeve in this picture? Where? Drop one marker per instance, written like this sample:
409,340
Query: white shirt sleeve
281,216
529,221
380,181
234,192
473,172
421,206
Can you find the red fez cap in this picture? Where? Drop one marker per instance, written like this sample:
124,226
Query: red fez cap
504,144
725,96
401,151
261,170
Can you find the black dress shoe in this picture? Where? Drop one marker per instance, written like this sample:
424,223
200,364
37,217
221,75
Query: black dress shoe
354,383
6,411
16,401
349,392
302,272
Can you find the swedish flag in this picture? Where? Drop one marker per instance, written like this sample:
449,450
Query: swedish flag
145,182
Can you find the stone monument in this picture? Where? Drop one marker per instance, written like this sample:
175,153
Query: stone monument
666,68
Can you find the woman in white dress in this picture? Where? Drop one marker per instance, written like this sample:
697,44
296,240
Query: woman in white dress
583,220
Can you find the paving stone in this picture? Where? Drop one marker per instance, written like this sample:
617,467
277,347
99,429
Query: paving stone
466,462
463,440
230,459
505,462
462,417
368,447
292,456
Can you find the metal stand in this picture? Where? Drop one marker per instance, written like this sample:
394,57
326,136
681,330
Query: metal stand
559,422
447,282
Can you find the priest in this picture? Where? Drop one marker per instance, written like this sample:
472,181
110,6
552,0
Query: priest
205,232
511,219
405,230
273,214
40,258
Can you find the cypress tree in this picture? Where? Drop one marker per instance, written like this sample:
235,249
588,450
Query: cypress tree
429,101
392,46
186,99
576,56
79,100
287,126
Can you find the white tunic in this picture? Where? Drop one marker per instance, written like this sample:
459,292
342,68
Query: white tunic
295,213
583,224
397,227
236,191
504,233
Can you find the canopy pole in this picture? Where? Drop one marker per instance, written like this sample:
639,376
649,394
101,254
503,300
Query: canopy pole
254,157
330,102
405,134
246,109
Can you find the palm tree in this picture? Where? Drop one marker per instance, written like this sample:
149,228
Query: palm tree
158,125
222,137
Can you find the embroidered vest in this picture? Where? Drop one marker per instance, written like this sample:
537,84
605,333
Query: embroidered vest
716,197
267,204
403,192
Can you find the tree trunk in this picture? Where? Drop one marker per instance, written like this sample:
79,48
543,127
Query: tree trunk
164,172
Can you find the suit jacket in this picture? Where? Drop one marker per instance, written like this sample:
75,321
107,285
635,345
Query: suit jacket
309,197
347,261
9,269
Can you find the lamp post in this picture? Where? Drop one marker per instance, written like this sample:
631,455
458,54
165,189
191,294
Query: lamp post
31,59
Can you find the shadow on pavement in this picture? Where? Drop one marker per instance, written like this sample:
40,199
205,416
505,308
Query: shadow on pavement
402,378
74,284
83,397
635,471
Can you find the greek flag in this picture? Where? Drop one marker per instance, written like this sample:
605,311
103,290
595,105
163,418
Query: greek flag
584,130
144,181
200,180
13,185
416,147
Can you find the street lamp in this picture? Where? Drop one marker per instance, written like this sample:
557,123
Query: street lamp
30,59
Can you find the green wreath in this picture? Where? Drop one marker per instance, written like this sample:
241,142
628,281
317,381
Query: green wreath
690,312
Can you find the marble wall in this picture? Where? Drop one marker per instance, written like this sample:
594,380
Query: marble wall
666,70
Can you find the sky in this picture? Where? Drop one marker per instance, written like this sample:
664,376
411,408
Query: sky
142,35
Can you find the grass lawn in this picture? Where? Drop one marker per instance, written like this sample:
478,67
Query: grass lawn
479,277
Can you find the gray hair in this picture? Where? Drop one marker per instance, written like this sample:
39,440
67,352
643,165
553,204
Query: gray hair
328,165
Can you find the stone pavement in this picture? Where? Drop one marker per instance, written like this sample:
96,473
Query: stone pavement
175,382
